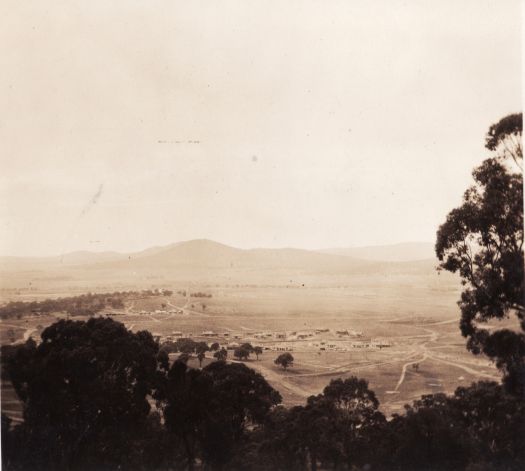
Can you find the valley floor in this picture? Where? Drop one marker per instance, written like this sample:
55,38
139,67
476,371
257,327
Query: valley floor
425,352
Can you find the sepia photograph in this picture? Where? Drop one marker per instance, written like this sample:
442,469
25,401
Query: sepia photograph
248,235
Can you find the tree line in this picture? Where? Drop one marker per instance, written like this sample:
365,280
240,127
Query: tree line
84,305
187,346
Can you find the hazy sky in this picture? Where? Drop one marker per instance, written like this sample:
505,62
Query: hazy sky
254,123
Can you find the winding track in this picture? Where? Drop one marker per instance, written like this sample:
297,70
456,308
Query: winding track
404,370
427,354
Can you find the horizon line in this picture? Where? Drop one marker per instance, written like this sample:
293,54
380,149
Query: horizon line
116,252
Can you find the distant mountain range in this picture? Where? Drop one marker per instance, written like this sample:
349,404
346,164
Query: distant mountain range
209,261
404,252
199,248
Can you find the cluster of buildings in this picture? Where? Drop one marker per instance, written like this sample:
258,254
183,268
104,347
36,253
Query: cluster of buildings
289,341
164,311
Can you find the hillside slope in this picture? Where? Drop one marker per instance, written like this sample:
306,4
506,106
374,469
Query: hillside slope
205,261
404,252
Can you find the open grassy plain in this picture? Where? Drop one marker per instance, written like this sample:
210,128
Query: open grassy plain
417,314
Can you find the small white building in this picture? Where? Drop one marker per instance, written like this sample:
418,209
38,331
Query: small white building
283,348
209,333
380,343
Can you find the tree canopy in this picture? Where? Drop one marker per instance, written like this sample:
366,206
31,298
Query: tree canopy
504,137
482,240
243,352
84,390
221,354
211,409
285,360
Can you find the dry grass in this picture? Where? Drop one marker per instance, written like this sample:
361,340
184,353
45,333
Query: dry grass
418,314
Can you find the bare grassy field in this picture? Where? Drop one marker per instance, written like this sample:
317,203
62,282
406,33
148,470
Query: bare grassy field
388,370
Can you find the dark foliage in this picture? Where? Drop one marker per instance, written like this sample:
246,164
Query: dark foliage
479,427
285,360
504,137
209,411
242,353
200,294
184,345
84,390
482,240
221,354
